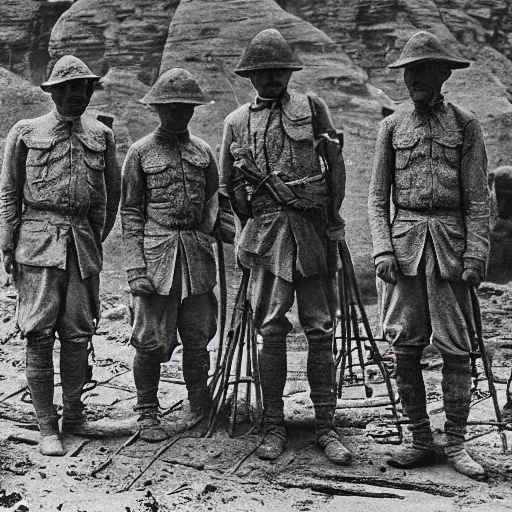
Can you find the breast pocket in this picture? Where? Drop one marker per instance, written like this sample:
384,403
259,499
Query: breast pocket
158,179
449,149
194,165
404,147
39,156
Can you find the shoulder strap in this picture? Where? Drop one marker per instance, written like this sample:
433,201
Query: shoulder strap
321,119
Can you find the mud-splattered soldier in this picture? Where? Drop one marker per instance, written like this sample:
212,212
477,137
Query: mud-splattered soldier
290,208
168,210
60,190
430,159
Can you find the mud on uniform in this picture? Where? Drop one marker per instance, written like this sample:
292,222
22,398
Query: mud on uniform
60,191
286,248
432,164
168,209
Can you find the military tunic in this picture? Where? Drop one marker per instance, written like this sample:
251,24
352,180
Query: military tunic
433,166
168,210
59,196
286,248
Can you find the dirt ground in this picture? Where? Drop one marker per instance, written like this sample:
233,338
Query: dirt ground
221,473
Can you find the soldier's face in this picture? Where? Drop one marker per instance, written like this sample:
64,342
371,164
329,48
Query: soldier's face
270,83
425,79
175,116
72,98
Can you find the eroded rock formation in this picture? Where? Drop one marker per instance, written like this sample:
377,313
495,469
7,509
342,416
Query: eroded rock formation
25,27
127,34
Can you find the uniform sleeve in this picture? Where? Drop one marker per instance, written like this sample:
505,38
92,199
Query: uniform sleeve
211,200
112,184
380,192
12,178
475,197
132,212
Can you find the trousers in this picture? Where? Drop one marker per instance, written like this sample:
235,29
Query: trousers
52,301
158,319
271,299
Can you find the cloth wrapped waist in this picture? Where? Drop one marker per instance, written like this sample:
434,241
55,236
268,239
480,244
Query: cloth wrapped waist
167,216
51,216
445,213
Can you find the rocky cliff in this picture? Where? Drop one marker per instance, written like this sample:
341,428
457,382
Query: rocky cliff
127,34
25,28
19,100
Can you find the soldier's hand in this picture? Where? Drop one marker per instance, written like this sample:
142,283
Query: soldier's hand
8,260
472,276
141,286
335,233
387,269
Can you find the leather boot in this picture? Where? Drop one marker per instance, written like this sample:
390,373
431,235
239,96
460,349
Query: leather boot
149,425
411,388
333,448
73,375
274,442
420,454
457,398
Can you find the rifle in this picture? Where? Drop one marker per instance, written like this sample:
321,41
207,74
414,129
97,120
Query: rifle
329,146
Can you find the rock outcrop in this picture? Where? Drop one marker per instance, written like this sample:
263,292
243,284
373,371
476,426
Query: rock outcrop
19,100
25,27
208,36
126,34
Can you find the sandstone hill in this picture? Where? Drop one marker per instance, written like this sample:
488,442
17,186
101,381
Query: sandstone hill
345,45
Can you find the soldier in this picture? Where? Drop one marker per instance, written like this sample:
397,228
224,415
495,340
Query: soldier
168,209
59,197
430,158
290,208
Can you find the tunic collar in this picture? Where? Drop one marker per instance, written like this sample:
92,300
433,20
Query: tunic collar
260,103
74,121
163,133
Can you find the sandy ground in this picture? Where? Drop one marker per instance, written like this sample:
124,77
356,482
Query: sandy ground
220,473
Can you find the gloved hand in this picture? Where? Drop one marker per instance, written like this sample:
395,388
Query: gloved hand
472,276
8,260
141,286
387,268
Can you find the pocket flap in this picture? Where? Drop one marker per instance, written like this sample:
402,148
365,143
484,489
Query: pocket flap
92,141
405,141
95,161
195,155
38,143
151,168
299,128
452,140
